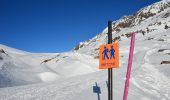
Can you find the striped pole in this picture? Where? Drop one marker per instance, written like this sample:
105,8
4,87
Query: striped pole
129,66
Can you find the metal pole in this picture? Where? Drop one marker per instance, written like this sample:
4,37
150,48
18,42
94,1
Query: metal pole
108,84
110,81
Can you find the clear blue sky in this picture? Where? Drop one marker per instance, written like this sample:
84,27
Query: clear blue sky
58,25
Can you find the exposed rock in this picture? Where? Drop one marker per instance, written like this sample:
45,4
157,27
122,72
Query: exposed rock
166,15
122,35
150,38
78,46
168,53
166,27
159,23
128,34
47,60
141,31
2,51
165,62
64,56
146,15
1,58
117,30
161,40
161,50
116,38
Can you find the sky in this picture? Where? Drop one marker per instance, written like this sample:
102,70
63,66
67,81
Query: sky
58,25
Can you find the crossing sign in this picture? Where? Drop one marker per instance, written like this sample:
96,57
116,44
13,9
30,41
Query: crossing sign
109,56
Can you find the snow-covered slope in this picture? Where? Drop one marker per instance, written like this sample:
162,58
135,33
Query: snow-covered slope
148,20
20,68
72,75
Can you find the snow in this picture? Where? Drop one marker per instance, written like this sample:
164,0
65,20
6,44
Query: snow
48,76
72,75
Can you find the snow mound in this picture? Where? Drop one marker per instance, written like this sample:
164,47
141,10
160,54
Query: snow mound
48,76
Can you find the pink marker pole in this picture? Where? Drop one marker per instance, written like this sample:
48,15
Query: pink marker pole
129,66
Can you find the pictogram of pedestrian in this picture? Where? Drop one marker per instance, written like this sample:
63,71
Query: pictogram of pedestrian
112,52
104,53
109,56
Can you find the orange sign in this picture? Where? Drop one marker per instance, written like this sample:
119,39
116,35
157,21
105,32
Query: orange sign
109,56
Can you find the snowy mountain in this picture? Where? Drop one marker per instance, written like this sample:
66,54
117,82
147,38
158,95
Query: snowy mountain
71,75
148,19
20,68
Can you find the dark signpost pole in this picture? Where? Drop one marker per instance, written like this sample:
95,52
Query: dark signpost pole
110,69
